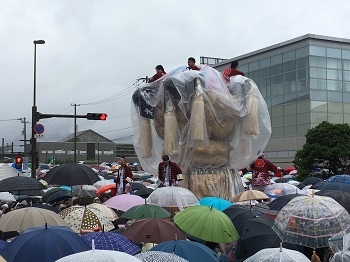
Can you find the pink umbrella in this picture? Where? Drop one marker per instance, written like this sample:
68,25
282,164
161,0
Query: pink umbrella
124,202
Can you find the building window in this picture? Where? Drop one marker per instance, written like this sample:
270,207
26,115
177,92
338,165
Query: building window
49,151
43,151
70,152
82,152
318,61
108,152
333,63
333,52
318,51
60,152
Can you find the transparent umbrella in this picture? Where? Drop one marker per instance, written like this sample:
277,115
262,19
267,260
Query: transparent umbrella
311,220
172,197
157,256
278,255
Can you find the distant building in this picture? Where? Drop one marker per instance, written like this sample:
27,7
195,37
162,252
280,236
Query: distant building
90,146
304,81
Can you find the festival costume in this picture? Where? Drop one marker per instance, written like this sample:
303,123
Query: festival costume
120,180
167,173
260,169
155,77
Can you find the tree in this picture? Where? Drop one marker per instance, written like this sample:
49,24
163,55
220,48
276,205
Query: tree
327,148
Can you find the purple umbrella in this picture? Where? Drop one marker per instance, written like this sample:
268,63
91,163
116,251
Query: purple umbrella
124,202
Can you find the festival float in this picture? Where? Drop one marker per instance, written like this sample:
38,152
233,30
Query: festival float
210,125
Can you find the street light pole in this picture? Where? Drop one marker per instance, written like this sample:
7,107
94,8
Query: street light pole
34,153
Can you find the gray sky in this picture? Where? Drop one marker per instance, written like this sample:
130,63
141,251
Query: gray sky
96,49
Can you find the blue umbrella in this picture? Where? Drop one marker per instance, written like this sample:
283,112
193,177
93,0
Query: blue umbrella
332,186
339,178
216,202
111,241
3,244
190,250
47,244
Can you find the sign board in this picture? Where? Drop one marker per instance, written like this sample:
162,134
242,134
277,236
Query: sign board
25,164
39,129
39,135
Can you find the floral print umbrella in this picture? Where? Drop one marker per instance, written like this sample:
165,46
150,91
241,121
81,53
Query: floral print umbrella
86,218
311,220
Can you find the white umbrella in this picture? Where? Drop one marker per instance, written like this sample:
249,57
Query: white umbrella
155,256
7,197
172,196
341,256
7,171
278,254
99,255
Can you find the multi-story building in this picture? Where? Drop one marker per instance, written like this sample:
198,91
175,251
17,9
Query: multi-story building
304,81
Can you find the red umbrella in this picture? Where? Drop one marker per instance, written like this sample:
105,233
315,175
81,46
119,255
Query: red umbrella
105,188
289,168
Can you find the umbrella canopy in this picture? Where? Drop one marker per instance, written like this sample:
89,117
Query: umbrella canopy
24,218
7,171
124,202
156,256
341,256
249,195
217,202
80,192
280,189
282,180
58,196
331,186
102,183
3,244
238,215
311,220
312,180
190,250
278,254
99,255
107,211
153,230
111,241
278,203
146,211
144,192
45,206
86,218
44,244
339,178
172,196
137,186
7,197
105,188
341,197
18,184
70,175
206,223
257,235
288,169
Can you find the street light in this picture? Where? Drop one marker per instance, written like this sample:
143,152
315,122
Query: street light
34,153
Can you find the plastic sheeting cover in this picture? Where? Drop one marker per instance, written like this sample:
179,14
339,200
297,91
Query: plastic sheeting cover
201,119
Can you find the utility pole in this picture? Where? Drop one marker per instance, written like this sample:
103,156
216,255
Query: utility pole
24,132
75,132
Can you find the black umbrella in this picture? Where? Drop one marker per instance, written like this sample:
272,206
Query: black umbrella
278,203
258,234
71,175
144,192
137,186
341,197
18,184
47,194
282,180
238,214
337,186
58,196
312,180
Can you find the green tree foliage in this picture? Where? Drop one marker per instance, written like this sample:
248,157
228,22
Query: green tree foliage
327,147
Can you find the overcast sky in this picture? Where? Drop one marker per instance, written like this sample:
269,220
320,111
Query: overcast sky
96,49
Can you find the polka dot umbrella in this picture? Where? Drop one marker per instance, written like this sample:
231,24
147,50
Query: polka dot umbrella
81,218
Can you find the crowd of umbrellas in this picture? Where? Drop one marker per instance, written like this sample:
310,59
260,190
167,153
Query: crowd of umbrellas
283,223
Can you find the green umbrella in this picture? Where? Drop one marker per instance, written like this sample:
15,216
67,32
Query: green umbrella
206,223
146,211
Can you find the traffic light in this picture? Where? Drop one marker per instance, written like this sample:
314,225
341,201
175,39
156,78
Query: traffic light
18,162
96,116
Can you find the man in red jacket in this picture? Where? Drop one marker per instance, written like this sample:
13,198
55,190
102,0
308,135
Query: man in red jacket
232,70
168,172
191,62
124,172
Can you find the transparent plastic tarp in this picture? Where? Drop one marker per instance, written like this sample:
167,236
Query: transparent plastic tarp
202,120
